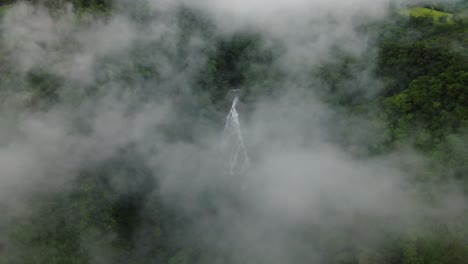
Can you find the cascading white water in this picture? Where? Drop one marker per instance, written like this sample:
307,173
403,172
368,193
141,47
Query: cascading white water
237,160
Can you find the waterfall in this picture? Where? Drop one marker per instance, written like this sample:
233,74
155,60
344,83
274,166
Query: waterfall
232,145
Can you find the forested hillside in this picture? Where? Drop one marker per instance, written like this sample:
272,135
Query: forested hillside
355,119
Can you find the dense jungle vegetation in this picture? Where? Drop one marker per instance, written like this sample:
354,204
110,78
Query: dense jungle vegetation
420,62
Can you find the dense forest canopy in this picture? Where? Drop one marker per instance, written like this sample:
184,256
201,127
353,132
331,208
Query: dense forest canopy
354,116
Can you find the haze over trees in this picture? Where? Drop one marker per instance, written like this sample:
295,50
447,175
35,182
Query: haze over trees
354,117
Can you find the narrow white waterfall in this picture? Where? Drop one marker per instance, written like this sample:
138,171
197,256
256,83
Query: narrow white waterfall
232,145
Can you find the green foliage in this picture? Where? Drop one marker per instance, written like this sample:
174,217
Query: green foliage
425,69
106,210
431,108
438,246
43,88
79,5
239,61
4,7
435,15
